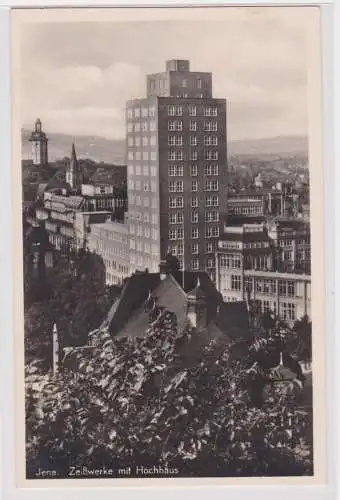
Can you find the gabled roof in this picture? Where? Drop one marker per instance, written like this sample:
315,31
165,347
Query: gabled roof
127,316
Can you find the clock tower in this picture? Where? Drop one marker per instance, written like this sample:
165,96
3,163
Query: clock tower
39,141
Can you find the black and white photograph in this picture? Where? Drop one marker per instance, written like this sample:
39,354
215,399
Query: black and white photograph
166,219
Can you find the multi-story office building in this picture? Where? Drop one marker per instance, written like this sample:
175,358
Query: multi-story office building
110,241
251,259
177,170
278,201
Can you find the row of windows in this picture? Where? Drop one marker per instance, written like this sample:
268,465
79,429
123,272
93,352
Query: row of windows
137,201
146,156
110,250
230,261
178,110
150,249
147,186
177,140
144,141
112,279
178,186
146,171
178,217
142,126
138,244
105,236
285,288
177,125
178,155
143,112
146,217
178,202
178,248
178,170
246,210
178,233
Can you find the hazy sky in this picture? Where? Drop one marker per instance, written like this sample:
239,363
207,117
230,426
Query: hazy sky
77,76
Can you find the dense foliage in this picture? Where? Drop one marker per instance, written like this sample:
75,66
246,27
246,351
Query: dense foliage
74,296
165,400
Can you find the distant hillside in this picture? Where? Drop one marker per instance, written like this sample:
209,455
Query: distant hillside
113,151
94,148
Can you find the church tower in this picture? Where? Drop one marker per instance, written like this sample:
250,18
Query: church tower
39,141
74,175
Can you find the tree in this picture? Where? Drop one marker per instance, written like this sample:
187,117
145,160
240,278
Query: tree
138,402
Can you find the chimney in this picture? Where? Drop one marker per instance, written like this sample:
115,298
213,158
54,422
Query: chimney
197,307
164,270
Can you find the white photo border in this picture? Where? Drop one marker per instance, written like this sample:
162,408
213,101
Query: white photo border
6,262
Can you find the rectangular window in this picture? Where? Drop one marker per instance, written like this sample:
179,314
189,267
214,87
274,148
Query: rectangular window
212,216
194,232
287,311
194,170
193,126
235,283
153,126
193,155
145,155
210,170
175,140
212,232
194,202
172,234
153,171
210,140
130,141
130,155
210,111
211,201
210,126
138,186
153,156
195,263
146,202
209,247
176,186
145,141
146,186
211,185
130,113
194,217
210,263
193,140
192,110
146,171
194,248
194,185
138,155
175,154
176,202
211,155
153,140
176,171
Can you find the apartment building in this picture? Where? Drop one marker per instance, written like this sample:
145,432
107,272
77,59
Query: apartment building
110,241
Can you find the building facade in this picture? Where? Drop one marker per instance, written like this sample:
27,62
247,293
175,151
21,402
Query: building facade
177,170
39,144
110,241
278,201
252,261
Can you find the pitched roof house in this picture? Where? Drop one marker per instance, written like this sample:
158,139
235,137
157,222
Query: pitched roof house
190,295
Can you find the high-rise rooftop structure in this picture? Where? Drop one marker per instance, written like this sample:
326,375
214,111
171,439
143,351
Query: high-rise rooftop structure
177,170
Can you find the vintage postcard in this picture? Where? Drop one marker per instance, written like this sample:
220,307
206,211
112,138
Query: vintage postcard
168,216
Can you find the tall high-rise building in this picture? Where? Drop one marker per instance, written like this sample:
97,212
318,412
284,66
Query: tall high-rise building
38,140
177,170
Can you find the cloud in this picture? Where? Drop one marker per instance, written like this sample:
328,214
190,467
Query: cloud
78,76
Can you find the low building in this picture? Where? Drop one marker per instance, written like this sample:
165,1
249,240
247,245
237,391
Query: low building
110,241
84,222
281,200
269,261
